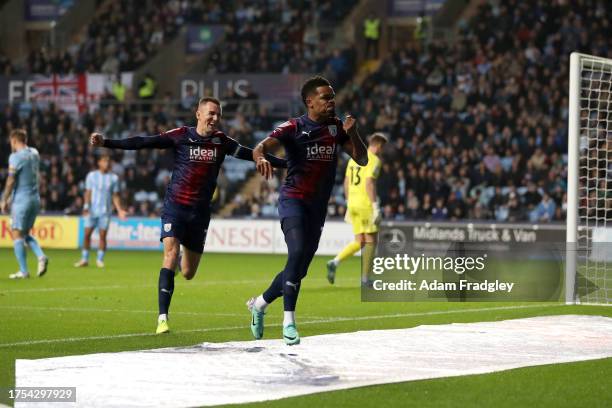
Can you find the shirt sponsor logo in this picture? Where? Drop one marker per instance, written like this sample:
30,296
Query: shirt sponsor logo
320,152
202,154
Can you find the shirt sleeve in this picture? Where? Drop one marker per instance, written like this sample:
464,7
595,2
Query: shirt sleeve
175,134
115,188
343,137
231,146
284,132
89,181
162,141
246,153
373,169
14,165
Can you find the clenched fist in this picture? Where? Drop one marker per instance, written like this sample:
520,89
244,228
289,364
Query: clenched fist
350,124
96,139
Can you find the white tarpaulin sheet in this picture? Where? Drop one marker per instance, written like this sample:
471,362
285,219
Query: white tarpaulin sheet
236,372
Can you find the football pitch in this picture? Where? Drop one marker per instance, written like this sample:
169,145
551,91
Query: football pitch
74,311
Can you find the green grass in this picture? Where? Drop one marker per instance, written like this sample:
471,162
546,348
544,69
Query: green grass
80,311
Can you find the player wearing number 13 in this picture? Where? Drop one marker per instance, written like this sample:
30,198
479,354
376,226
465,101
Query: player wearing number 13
363,211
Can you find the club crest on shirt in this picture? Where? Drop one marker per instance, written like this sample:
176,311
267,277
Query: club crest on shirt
167,227
216,140
333,130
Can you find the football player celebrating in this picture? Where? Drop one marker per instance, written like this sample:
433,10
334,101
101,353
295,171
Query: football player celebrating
311,145
198,155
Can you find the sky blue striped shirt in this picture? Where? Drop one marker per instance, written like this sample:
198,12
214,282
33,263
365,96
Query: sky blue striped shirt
102,187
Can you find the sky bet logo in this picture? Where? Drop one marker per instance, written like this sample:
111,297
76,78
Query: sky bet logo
318,152
202,154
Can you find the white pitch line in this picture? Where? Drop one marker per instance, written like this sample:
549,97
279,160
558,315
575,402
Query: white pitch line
6,291
76,309
155,312
9,291
322,321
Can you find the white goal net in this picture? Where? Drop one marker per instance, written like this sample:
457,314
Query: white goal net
589,211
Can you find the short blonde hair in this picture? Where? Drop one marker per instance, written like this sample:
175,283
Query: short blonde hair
19,134
377,138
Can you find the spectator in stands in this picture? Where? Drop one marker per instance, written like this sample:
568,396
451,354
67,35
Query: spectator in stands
439,212
147,90
545,211
371,33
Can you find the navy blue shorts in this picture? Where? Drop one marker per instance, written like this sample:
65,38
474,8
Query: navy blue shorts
313,214
186,224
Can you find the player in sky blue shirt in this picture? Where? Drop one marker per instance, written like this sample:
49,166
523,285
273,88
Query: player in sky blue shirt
21,192
199,153
101,193
311,143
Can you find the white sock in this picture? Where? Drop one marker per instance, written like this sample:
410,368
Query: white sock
260,303
162,317
289,318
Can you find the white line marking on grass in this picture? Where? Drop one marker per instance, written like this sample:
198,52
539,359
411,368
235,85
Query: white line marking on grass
83,309
9,291
321,321
151,285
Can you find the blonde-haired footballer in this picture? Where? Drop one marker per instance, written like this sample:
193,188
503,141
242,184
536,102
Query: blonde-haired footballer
363,211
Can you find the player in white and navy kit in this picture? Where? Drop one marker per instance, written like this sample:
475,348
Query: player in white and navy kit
21,192
101,192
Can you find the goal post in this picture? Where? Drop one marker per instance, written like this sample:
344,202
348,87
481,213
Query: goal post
588,273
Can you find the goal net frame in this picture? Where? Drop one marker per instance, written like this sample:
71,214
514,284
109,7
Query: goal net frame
587,112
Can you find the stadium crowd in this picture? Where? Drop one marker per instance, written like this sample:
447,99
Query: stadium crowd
66,157
123,35
110,45
477,128
256,42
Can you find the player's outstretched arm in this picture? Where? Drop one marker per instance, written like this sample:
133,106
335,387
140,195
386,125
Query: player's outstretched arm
354,146
264,166
246,153
131,143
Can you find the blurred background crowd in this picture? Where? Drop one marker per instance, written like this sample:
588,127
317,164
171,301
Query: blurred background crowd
477,125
